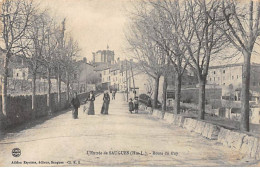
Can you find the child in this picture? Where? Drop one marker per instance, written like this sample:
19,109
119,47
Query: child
131,105
136,104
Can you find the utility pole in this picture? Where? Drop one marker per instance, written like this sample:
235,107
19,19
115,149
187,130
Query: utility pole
126,81
133,79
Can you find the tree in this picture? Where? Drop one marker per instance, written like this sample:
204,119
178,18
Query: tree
150,55
164,31
70,66
15,19
35,39
50,51
241,27
202,39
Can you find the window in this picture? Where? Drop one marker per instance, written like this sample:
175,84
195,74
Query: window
224,71
224,83
214,78
23,74
214,72
237,76
232,77
17,74
210,79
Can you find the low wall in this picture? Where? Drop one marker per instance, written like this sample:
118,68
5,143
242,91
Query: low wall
19,108
246,144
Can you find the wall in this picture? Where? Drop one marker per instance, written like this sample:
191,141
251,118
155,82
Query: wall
19,108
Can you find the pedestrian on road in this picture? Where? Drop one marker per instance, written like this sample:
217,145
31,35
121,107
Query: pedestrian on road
114,95
76,104
105,106
131,105
149,105
136,104
91,99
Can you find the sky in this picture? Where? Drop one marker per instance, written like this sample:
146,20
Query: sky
93,23
98,23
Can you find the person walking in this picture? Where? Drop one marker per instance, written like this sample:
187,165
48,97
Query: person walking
76,104
105,106
114,95
149,105
91,99
136,104
131,105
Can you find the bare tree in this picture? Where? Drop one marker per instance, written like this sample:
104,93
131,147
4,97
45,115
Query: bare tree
70,66
164,31
15,19
50,51
150,55
241,27
35,39
201,38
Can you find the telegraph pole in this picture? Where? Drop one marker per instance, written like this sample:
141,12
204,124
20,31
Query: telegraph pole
133,79
126,81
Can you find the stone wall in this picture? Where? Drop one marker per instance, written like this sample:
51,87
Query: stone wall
246,144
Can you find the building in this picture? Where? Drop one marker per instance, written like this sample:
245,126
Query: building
103,56
232,74
86,77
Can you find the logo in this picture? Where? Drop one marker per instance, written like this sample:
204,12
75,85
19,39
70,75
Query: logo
16,152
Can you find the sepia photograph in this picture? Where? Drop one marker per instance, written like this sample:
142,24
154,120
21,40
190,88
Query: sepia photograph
129,83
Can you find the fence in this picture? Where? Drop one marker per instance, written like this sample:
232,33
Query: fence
19,108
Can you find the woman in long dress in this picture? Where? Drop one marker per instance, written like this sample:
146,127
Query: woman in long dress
91,99
105,106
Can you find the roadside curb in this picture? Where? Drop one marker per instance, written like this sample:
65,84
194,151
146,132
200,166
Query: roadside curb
239,141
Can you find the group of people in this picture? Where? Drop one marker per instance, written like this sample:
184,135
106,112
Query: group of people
133,105
91,109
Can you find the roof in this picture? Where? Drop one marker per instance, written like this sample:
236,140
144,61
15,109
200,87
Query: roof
232,65
101,67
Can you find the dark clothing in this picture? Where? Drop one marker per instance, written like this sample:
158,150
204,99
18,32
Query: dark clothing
105,106
149,103
75,113
136,105
76,104
131,106
113,95
91,108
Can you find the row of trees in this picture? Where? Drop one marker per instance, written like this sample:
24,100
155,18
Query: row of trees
190,34
29,31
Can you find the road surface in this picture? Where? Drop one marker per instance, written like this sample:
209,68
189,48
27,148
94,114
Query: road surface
117,139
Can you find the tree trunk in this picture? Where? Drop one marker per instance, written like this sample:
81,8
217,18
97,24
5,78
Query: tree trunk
68,87
33,94
49,91
59,87
177,94
202,97
156,89
245,94
4,85
164,94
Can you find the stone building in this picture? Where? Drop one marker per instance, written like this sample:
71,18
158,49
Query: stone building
103,56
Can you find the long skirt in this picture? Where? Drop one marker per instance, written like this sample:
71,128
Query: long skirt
91,110
75,113
105,107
